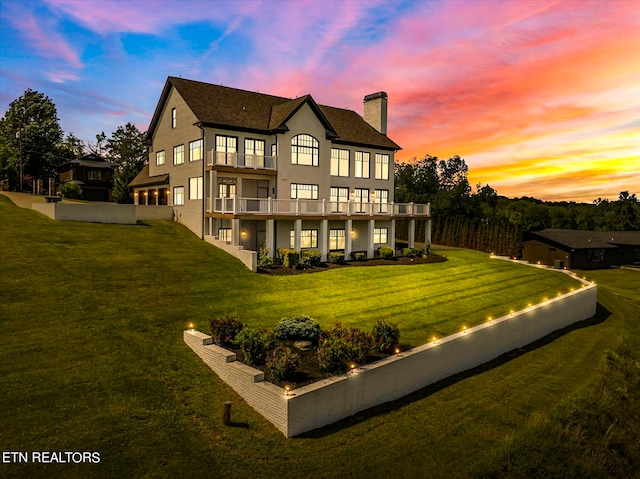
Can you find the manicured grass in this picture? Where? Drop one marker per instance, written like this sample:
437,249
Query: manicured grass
92,357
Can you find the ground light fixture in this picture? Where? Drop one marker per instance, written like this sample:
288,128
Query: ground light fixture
191,327
287,389
464,329
435,340
397,350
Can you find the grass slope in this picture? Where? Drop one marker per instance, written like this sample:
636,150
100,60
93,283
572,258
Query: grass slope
92,357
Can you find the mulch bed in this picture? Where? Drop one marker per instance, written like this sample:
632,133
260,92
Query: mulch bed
279,270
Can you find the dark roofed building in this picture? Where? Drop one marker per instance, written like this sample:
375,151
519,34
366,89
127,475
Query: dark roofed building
581,249
92,173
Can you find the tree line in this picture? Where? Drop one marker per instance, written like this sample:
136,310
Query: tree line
485,221
33,146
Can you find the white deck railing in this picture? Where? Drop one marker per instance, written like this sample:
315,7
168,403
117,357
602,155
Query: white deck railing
270,206
241,160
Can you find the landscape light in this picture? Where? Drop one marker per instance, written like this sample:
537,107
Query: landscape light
464,329
397,350
287,388
435,340
191,327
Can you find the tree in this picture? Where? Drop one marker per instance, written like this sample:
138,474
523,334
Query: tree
72,147
128,153
30,132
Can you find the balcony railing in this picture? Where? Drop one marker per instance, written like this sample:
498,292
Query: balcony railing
270,206
241,160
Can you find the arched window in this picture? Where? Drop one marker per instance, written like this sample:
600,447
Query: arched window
304,150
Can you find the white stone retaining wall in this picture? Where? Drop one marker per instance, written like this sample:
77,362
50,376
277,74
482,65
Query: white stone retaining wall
330,400
103,212
154,212
248,257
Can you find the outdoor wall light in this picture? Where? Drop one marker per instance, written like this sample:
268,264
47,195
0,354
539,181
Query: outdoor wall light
135,194
244,233
155,193
146,193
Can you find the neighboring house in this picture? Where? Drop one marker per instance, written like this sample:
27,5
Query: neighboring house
579,249
92,173
249,168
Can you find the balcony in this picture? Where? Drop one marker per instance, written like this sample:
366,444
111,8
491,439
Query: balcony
285,207
241,160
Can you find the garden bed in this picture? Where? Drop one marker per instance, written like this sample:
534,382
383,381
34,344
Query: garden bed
279,270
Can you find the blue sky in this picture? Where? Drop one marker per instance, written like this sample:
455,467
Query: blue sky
541,98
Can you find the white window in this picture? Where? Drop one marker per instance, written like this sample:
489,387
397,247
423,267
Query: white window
274,149
178,155
380,235
381,197
160,157
362,164
304,150
307,192
254,147
382,167
339,162
178,195
94,174
195,150
224,234
336,239
361,196
339,196
226,149
226,190
173,118
308,239
195,188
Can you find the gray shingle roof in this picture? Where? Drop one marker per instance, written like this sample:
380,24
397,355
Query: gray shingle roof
220,106
580,239
143,179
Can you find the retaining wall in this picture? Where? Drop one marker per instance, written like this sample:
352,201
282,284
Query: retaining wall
93,213
248,257
154,212
328,401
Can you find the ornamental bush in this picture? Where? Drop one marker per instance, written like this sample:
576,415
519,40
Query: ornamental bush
336,257
282,363
333,355
412,252
289,257
298,328
385,336
358,255
310,258
360,343
385,252
224,330
71,190
264,259
255,345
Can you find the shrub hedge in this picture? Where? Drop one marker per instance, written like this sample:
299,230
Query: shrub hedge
224,330
255,345
385,252
385,336
412,252
336,257
310,258
282,363
298,328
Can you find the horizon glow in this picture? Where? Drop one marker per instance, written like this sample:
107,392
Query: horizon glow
541,98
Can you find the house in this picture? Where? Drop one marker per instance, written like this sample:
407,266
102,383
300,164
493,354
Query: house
248,168
92,173
579,249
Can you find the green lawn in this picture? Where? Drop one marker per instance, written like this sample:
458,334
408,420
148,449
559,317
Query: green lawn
92,357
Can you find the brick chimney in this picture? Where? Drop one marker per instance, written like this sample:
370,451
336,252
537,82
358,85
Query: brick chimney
375,111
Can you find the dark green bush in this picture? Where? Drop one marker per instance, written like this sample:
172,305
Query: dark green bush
336,257
385,252
358,255
255,345
282,363
264,259
310,258
289,257
412,252
224,330
333,355
385,336
71,190
298,328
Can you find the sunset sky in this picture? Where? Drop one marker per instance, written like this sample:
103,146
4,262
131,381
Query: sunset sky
541,98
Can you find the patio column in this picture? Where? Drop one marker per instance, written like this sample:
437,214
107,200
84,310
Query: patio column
347,239
324,239
370,243
392,236
412,233
270,237
235,232
427,232
297,233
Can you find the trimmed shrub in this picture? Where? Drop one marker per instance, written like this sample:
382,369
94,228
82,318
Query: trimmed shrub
385,336
299,328
333,355
412,252
224,330
290,257
282,363
336,257
310,258
360,343
264,259
255,345
385,252
71,190
358,255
